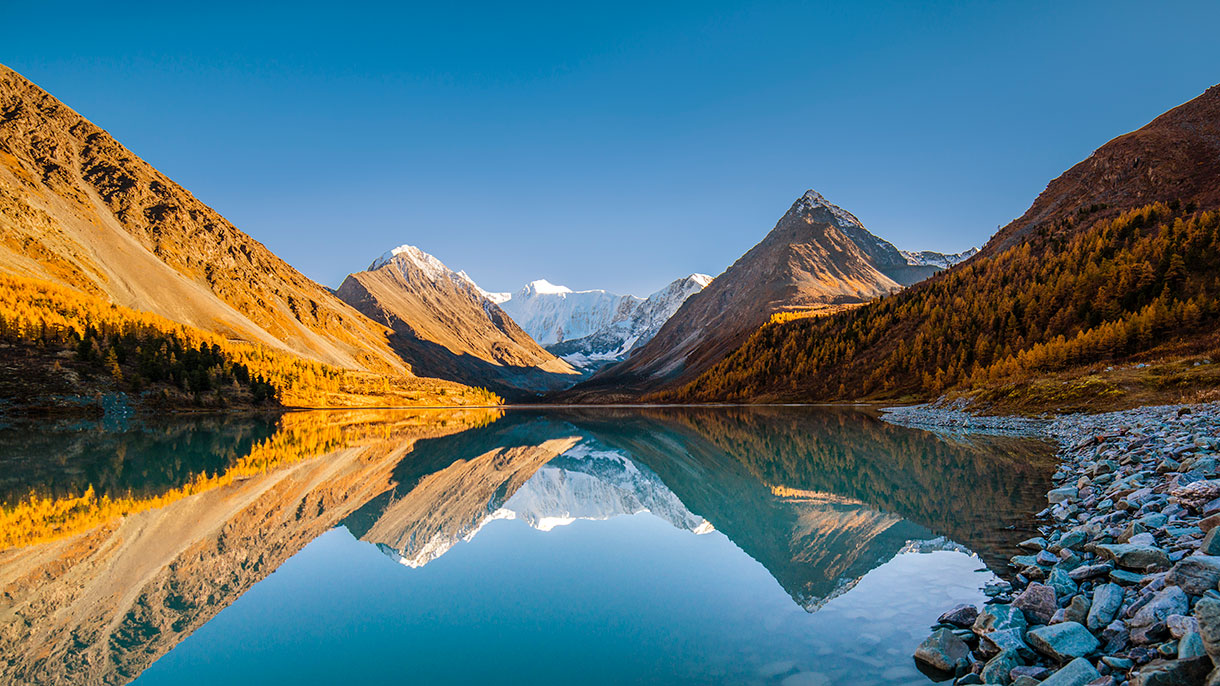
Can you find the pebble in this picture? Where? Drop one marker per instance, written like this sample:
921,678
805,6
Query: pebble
1124,576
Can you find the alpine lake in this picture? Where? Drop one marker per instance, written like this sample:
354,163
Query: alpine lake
771,545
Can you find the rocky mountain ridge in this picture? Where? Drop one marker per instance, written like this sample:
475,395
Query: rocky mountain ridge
79,209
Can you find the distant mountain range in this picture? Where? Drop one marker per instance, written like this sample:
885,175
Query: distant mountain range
590,329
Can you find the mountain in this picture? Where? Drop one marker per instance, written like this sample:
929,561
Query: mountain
553,314
1103,294
1174,157
445,327
79,209
817,255
590,329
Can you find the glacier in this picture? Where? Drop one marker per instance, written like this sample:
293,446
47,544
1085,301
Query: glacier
589,329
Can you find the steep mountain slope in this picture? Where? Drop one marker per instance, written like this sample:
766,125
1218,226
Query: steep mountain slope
1115,262
618,323
445,327
78,208
1174,157
811,257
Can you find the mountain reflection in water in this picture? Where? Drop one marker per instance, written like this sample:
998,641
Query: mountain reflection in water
188,516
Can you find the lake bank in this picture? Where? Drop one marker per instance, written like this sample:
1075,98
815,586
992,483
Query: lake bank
1121,586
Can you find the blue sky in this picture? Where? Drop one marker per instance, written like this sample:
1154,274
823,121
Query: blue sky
610,145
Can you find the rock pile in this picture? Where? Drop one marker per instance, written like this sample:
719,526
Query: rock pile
1122,585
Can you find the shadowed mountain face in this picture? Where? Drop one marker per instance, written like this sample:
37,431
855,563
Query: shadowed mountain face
818,497
445,327
79,209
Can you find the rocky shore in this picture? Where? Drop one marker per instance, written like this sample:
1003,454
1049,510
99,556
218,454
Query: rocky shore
1122,585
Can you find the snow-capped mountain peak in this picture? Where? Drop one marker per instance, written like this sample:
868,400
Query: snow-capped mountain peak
544,287
428,264
591,328
929,258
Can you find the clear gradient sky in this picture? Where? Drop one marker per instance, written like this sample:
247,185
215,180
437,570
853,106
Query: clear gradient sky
610,145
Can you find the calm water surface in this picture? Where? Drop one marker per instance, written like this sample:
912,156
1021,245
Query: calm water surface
723,545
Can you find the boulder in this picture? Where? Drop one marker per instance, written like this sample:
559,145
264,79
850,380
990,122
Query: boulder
1137,557
1149,621
1059,580
1180,625
998,617
962,615
944,652
1062,495
1085,572
1207,612
1190,646
1038,603
996,642
1078,672
1189,672
1062,642
1077,609
997,670
1107,600
1196,574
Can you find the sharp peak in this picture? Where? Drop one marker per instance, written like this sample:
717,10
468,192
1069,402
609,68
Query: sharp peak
813,201
425,261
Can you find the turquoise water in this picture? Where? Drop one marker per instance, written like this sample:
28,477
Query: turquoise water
771,546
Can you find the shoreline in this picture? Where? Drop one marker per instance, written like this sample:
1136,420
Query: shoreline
1121,587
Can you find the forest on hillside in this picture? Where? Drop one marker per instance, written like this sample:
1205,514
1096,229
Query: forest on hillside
1080,293
68,342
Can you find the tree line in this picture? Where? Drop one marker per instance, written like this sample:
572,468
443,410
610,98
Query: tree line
1076,292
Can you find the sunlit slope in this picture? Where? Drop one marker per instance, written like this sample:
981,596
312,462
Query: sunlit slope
78,208
1114,265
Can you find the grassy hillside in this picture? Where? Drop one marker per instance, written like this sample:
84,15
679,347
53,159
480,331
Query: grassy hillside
1065,318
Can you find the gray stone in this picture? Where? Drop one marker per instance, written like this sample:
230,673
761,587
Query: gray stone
1122,576
1062,642
1207,612
1140,558
1171,601
1077,609
1120,664
1078,672
1107,600
1059,580
997,669
1195,574
1061,495
1188,672
944,652
996,642
998,617
1085,572
962,615
1024,680
1038,603
1180,625
1035,543
1071,539
1190,645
